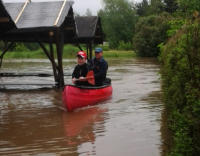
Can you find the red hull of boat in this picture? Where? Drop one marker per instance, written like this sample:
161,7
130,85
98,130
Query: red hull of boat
76,97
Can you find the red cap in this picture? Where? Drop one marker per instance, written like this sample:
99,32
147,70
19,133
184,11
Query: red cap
82,54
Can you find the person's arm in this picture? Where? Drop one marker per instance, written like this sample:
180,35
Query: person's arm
102,70
74,74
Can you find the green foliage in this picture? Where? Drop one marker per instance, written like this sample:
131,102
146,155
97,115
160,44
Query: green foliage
20,47
125,46
150,32
175,25
118,20
32,46
1,45
119,54
142,8
187,7
154,7
105,46
70,51
180,59
170,6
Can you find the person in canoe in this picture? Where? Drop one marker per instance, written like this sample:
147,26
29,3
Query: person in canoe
99,66
80,70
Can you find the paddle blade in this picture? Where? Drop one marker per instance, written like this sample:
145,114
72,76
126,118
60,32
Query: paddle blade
90,77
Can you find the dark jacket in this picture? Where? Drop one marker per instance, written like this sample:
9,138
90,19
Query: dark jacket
80,70
100,68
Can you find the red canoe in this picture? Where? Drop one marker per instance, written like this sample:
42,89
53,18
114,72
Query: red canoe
80,96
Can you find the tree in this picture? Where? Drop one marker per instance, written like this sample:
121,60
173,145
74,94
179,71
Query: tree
170,5
150,32
142,8
88,12
156,7
188,7
118,20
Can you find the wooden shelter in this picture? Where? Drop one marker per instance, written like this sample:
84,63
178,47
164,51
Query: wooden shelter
89,31
42,22
48,23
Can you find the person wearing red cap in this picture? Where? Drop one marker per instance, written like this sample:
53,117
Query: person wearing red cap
80,70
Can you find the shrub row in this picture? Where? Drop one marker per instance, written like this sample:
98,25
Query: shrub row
180,73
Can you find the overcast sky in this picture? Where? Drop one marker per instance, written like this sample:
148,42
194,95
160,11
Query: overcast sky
80,6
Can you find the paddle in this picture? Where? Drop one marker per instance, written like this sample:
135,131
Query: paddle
89,77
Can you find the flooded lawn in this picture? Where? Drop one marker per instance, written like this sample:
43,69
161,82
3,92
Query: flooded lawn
33,123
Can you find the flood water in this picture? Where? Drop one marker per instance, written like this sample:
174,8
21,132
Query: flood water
129,124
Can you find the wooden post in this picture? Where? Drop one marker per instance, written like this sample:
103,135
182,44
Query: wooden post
87,51
90,49
7,47
54,65
59,47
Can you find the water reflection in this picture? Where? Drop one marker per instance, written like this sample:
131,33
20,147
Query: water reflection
34,124
80,127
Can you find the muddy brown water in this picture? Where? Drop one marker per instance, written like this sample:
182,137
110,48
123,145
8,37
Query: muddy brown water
129,124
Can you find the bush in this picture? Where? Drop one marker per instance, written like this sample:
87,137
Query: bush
125,46
150,32
20,47
32,46
70,51
180,59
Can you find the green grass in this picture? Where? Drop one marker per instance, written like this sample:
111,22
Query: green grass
69,51
119,54
24,54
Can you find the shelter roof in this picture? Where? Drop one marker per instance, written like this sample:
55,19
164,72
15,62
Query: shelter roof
6,22
89,28
38,14
35,21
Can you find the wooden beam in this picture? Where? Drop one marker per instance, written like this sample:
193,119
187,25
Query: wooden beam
59,48
69,28
4,19
52,60
20,13
47,54
45,50
54,65
7,47
87,46
90,49
98,36
57,19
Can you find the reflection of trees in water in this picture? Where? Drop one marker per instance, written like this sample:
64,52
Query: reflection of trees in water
80,126
165,134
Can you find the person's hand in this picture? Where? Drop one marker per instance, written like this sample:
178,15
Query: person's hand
74,80
82,78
